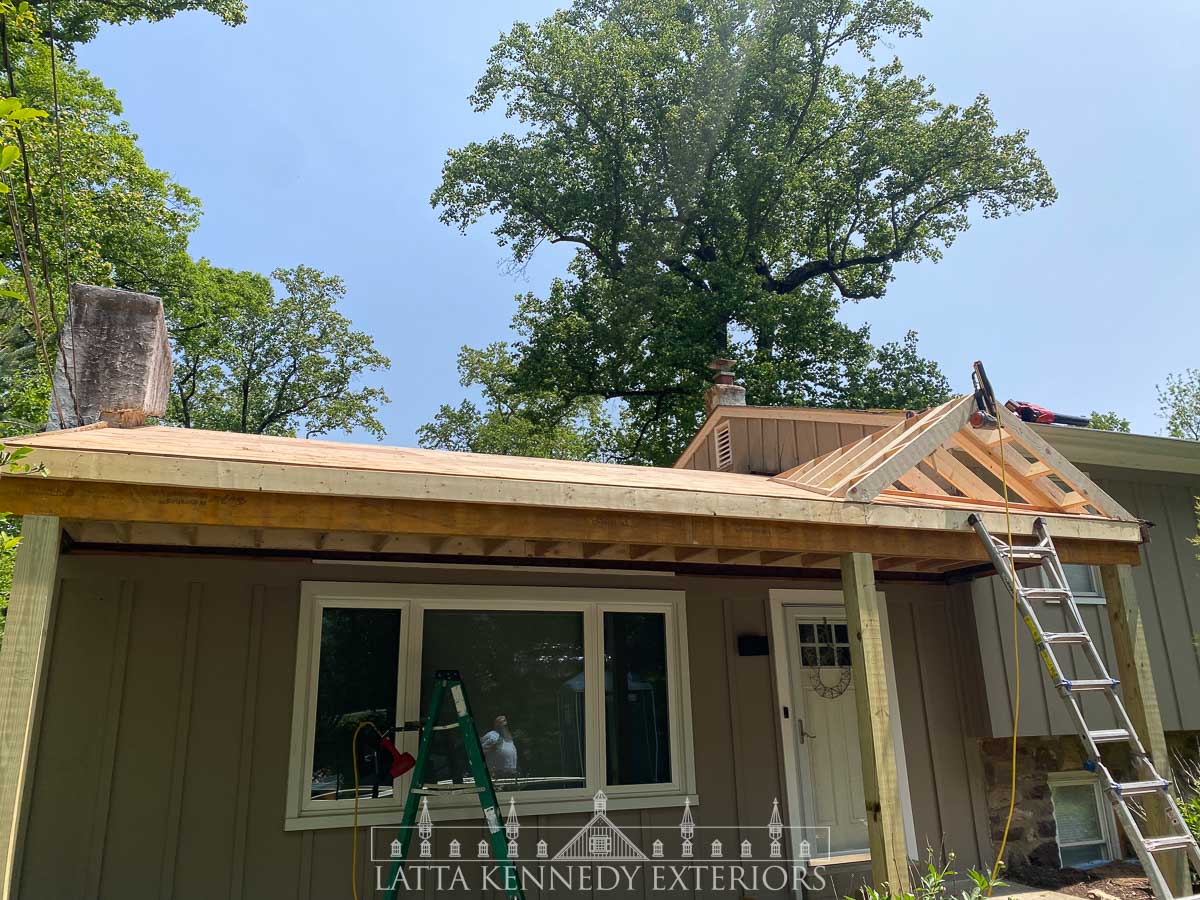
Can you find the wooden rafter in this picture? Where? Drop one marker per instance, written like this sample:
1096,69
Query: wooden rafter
938,456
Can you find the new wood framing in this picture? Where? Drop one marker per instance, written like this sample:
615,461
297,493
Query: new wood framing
938,456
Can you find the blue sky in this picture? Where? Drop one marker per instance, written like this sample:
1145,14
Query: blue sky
315,134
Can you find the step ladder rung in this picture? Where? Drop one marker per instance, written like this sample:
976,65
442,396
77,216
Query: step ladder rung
440,790
1089,684
1109,735
1027,554
1129,788
1067,637
1170,842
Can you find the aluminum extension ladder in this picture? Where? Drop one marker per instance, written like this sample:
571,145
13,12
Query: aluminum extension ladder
1075,633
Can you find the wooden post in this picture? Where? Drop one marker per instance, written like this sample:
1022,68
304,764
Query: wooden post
1141,703
881,781
22,668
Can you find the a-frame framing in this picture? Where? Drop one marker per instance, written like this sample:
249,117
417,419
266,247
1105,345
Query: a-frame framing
938,455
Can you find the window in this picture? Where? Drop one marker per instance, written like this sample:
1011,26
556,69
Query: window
573,690
824,645
1084,582
1083,820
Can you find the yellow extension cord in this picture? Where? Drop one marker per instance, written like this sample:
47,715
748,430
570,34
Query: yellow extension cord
354,831
1012,787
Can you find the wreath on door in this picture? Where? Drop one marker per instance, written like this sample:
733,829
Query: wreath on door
817,676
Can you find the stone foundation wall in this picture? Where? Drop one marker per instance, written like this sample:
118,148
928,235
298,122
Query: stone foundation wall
1031,840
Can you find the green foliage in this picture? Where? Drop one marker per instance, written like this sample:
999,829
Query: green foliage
10,538
932,884
250,361
526,424
78,21
108,218
1179,404
727,186
1109,421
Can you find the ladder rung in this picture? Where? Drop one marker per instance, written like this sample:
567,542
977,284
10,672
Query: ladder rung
432,789
1028,554
1170,842
1090,684
1044,593
1066,637
1130,788
1109,735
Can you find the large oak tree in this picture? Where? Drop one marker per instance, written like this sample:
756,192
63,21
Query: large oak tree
730,172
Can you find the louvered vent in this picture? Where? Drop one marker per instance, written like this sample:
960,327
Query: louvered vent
723,440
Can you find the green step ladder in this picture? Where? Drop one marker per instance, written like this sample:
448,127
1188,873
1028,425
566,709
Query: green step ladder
450,680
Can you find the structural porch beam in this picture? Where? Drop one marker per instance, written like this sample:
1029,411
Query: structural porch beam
1141,703
881,779
22,673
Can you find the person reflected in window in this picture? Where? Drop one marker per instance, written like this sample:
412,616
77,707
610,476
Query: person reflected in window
499,749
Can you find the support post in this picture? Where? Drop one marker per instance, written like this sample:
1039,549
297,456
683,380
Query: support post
881,780
1141,703
22,671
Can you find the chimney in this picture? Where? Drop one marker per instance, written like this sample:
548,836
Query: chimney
723,392
115,363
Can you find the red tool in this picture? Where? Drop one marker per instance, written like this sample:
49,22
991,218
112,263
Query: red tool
1029,412
401,762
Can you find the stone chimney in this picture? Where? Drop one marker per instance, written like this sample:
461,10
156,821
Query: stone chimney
723,392
115,363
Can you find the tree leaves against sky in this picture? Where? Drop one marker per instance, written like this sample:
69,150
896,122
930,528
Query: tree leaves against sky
730,172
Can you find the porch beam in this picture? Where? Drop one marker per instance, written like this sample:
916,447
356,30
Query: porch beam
881,778
441,518
1141,703
22,673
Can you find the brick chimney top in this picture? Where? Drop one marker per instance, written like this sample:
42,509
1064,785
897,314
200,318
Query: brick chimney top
724,391
115,364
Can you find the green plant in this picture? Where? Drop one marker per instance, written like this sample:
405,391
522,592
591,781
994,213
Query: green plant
935,883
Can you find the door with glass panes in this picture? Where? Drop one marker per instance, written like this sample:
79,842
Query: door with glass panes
825,729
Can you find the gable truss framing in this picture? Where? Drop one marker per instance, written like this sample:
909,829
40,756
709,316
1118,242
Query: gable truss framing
938,455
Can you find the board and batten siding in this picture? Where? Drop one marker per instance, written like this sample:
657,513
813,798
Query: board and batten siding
768,446
1168,592
162,759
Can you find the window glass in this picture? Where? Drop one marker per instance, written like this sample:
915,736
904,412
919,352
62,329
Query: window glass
637,723
824,646
1080,833
356,681
525,682
1082,580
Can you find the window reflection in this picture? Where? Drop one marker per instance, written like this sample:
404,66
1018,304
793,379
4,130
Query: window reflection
356,682
525,681
637,724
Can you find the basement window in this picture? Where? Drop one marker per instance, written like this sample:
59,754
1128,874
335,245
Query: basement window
723,442
1084,822
573,690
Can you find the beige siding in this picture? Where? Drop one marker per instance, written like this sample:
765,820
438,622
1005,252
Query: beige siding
1168,590
768,445
163,752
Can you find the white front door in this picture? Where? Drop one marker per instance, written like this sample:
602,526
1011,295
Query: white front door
825,728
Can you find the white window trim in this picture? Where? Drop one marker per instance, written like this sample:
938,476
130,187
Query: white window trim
1104,812
303,813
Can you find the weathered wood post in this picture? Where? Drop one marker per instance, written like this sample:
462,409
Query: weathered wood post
1141,703
881,779
22,673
